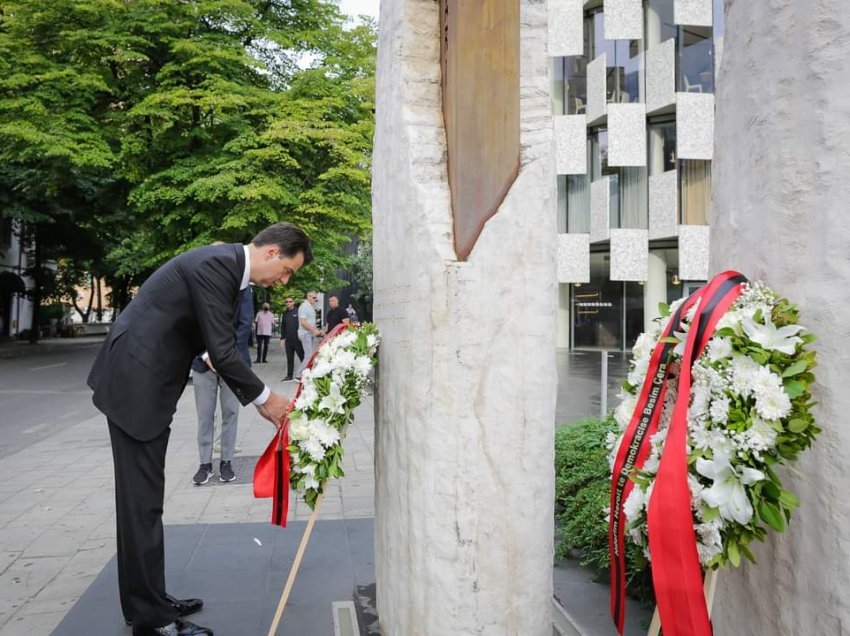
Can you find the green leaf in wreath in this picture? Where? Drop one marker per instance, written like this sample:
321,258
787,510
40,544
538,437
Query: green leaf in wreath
746,552
733,554
771,515
709,514
771,490
795,369
798,426
794,388
788,499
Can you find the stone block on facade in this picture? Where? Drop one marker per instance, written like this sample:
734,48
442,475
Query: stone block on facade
629,254
573,258
626,135
693,12
566,22
694,126
599,216
663,205
570,144
597,89
661,76
693,252
623,19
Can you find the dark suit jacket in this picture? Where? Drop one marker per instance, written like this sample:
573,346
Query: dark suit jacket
242,325
187,306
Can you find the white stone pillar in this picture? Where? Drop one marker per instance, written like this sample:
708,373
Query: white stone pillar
780,214
466,394
655,289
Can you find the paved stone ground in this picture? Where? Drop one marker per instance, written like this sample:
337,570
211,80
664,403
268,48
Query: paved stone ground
57,520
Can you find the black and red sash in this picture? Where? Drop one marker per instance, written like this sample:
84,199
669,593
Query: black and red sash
676,571
271,474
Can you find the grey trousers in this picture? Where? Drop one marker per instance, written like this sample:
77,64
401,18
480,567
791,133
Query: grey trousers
308,341
208,386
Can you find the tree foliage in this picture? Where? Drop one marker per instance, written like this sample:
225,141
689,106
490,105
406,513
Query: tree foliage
132,131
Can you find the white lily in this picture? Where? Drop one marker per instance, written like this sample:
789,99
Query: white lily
333,401
299,428
727,493
783,339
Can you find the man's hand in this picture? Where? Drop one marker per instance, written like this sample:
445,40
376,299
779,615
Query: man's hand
208,360
274,409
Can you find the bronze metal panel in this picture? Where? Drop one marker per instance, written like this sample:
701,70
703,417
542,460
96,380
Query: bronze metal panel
481,87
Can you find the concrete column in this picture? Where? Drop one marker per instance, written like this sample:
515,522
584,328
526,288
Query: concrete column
780,214
465,404
655,289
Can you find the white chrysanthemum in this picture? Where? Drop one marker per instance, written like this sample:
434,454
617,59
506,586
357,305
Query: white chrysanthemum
700,400
313,447
743,371
321,368
310,481
299,427
624,411
719,410
719,349
761,436
346,339
644,345
308,396
774,405
372,341
634,504
638,371
362,365
327,434
344,360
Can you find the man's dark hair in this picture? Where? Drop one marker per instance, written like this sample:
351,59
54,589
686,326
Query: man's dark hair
333,296
290,239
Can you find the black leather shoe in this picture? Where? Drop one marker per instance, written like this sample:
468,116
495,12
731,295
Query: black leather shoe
184,606
179,627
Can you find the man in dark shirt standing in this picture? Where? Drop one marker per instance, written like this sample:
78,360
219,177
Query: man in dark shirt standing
336,315
289,336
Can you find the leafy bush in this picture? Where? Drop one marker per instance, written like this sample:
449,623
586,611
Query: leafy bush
582,495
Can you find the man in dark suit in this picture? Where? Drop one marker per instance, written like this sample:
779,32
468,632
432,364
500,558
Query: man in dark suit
187,306
289,336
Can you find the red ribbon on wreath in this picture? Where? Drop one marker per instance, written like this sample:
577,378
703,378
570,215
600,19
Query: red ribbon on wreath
271,474
676,570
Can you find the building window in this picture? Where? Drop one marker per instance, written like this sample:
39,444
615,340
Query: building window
628,194
575,84
659,25
624,59
662,146
578,203
695,60
695,191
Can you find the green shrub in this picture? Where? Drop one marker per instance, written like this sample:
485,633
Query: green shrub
582,494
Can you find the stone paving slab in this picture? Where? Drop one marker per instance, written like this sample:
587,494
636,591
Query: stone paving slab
57,507
241,580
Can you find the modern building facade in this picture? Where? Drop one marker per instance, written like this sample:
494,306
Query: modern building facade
633,106
15,307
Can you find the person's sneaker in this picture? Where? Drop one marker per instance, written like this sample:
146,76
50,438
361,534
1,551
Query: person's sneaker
203,475
225,472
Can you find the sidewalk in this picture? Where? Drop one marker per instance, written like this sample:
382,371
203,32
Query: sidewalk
57,525
20,348
57,521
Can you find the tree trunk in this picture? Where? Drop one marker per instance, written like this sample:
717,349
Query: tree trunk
36,292
99,301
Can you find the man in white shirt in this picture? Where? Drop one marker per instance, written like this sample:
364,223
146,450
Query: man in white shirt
308,333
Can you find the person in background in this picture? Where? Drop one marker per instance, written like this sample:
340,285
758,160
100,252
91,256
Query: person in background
265,325
336,315
352,315
289,337
208,387
308,333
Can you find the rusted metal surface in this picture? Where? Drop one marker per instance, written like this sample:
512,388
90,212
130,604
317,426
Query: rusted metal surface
481,84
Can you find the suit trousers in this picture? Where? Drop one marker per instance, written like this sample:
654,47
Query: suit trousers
262,348
308,344
292,346
139,494
209,388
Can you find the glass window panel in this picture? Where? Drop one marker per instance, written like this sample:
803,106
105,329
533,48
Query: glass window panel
634,312
659,22
662,147
597,308
578,203
695,191
633,198
696,60
575,84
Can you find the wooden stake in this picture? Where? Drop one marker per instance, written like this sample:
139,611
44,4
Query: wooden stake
293,571
709,586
